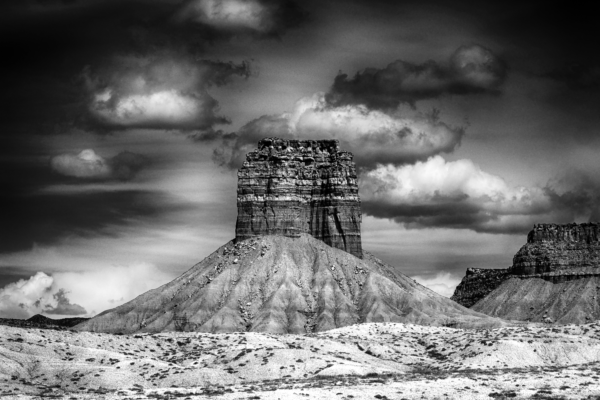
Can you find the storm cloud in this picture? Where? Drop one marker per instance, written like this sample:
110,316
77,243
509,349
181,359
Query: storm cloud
63,211
471,69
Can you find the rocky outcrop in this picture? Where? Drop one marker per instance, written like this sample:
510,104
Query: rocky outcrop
553,255
558,248
477,284
289,187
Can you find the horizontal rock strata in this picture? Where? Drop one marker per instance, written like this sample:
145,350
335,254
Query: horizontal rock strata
558,248
553,253
289,187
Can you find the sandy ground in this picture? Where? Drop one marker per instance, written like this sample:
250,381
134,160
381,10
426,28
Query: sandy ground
368,361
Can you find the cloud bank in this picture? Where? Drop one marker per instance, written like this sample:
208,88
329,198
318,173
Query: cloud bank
365,114
372,136
471,69
459,194
65,294
27,297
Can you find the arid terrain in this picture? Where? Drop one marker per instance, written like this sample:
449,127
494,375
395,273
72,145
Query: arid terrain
374,361
277,284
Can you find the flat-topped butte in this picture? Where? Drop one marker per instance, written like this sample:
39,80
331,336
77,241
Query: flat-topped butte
289,187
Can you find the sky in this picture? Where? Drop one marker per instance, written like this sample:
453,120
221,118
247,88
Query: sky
123,123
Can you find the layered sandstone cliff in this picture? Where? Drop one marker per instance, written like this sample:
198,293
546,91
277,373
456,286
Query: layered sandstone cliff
553,255
558,248
289,187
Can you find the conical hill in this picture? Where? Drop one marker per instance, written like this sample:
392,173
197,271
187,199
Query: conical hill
279,284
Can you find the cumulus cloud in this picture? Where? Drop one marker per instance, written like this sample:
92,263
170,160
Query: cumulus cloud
38,294
86,293
373,136
471,69
459,194
442,283
111,285
90,166
257,17
456,194
160,92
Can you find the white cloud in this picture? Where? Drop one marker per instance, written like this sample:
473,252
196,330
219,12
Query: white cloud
85,293
89,165
372,136
426,182
169,107
165,91
86,164
456,194
442,283
111,286
230,14
38,294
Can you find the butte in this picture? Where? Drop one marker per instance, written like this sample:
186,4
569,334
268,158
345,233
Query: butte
554,278
296,265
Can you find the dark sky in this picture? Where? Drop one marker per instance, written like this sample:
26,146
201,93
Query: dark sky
123,123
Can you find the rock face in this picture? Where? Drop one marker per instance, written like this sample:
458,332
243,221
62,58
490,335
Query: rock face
290,187
545,280
477,284
280,284
558,248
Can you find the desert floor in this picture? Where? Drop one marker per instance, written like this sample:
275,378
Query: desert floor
368,361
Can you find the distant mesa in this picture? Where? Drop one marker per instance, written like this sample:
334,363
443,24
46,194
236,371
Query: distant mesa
555,277
289,187
296,264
